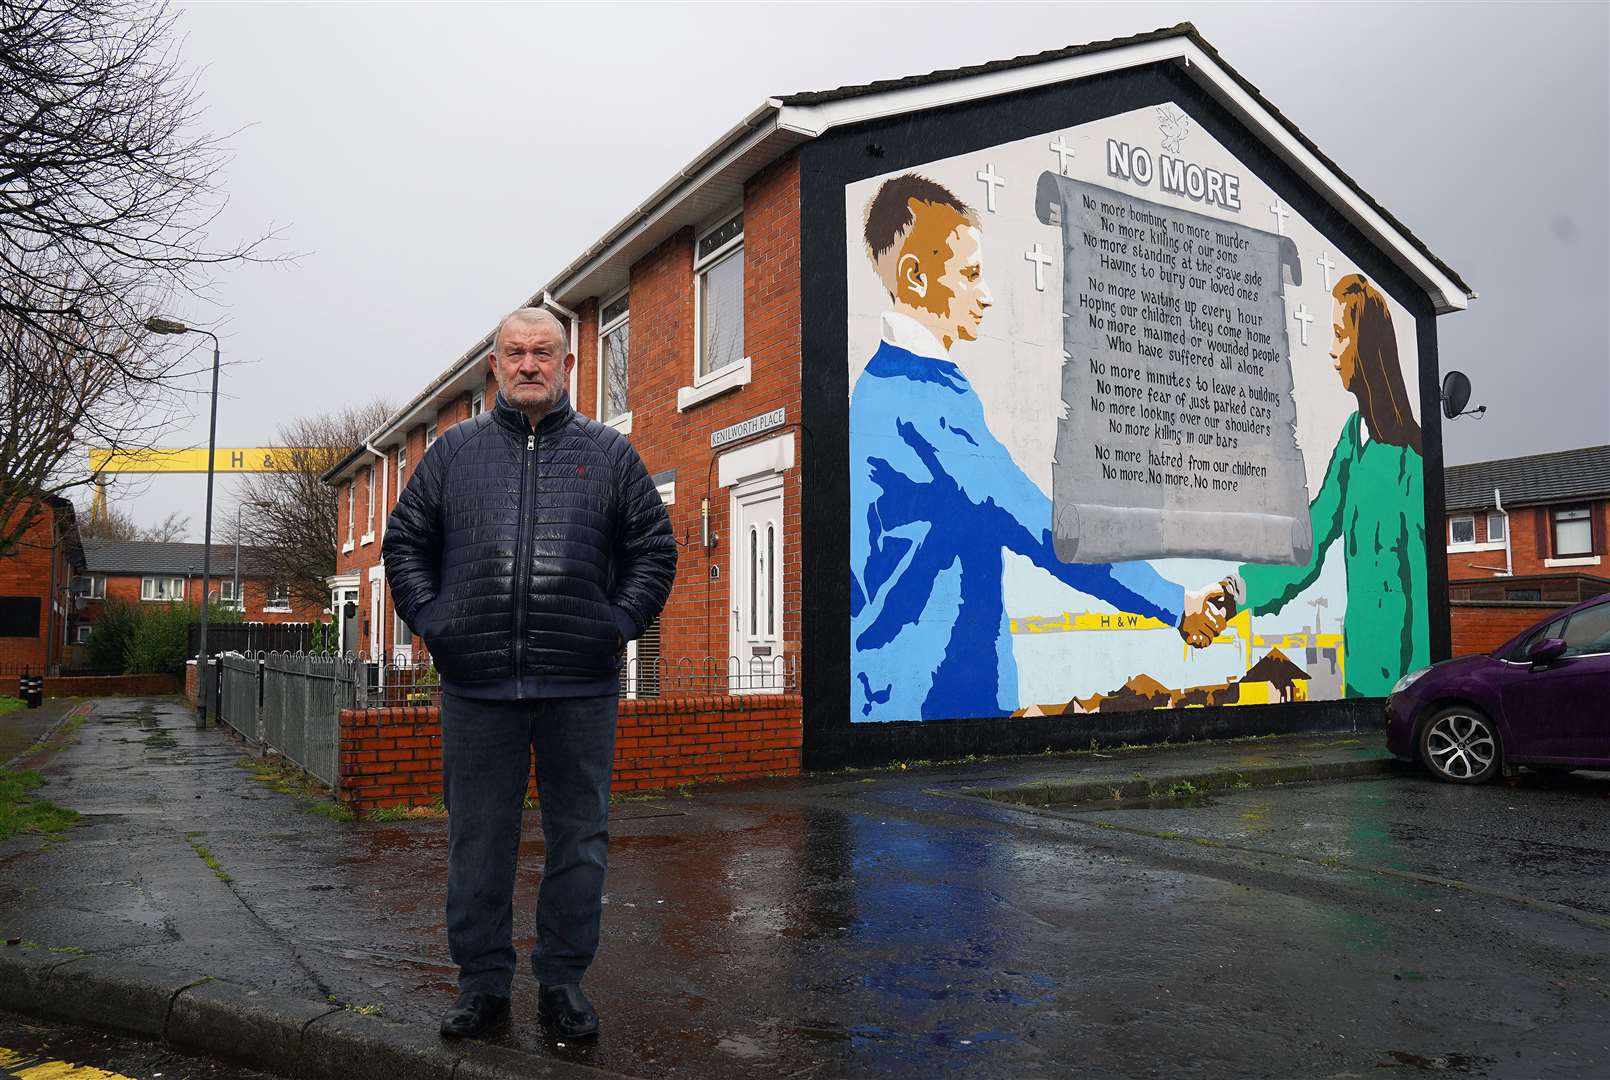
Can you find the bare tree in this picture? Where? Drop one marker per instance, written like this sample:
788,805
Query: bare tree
290,517
107,194
58,400
107,189
113,523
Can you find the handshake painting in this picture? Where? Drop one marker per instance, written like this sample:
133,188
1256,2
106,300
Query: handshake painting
1209,610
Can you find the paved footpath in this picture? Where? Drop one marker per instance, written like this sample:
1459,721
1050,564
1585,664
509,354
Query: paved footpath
1010,917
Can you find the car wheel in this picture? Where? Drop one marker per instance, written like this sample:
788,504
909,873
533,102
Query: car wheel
1460,745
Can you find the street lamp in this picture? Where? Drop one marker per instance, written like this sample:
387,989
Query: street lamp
159,325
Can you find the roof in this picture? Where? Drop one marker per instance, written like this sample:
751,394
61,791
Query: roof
1562,476
715,177
1181,30
151,557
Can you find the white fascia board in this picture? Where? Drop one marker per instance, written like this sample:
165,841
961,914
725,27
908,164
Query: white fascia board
812,121
468,374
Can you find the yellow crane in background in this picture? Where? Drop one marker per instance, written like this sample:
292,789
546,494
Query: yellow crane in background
226,459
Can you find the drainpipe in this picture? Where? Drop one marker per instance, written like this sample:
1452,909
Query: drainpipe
575,330
380,533
1509,557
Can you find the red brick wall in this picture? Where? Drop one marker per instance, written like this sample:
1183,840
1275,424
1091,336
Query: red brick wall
27,572
113,685
695,620
1480,628
126,587
393,757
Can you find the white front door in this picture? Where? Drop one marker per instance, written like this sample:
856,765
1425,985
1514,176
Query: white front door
757,586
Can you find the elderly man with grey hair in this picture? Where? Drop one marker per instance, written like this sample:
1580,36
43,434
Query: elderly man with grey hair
528,548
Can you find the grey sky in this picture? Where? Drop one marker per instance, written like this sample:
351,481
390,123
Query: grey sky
437,164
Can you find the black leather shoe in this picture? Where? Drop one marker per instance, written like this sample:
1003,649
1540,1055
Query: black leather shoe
565,1011
476,1016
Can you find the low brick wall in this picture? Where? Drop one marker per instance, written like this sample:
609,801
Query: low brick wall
393,757
1480,628
110,685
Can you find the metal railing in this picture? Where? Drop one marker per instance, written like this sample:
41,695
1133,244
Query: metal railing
664,677
302,698
240,694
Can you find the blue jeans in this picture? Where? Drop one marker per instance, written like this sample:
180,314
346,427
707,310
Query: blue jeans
486,748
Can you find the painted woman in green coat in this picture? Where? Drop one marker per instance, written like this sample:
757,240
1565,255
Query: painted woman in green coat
1373,500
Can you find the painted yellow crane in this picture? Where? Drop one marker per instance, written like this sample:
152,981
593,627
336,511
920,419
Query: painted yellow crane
226,459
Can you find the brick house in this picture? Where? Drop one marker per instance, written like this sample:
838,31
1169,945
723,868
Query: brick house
37,617
147,572
724,325
1524,535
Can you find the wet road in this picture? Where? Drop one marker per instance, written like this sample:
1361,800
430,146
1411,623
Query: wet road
33,1048
885,925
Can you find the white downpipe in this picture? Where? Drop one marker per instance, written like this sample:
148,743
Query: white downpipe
1509,558
380,534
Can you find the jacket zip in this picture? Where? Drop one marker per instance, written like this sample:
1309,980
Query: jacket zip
522,559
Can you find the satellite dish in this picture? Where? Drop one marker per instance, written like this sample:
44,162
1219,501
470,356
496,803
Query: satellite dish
1456,395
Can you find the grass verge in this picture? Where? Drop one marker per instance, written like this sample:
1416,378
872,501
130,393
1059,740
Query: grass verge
21,812
285,778
9,704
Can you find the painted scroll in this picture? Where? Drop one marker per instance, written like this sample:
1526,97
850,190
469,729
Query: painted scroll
1179,437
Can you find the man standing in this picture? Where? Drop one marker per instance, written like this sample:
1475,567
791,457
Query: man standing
529,546
935,498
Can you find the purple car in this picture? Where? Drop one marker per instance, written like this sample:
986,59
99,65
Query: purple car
1543,700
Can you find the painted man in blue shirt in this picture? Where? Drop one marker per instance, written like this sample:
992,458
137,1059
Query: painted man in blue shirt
935,499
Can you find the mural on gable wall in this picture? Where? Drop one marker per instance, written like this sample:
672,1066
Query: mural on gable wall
1104,452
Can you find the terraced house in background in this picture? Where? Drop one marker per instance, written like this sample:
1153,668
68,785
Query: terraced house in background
1073,394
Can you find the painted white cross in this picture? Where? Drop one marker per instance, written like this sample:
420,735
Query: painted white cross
1063,152
987,176
1281,214
1040,260
1324,263
1302,316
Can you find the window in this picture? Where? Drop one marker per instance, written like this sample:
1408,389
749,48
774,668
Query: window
718,271
1462,529
401,636
352,508
1495,527
279,597
477,403
1573,532
614,346
226,594
1588,631
1523,594
402,469
19,616
90,586
1518,653
162,588
81,633
430,436
369,517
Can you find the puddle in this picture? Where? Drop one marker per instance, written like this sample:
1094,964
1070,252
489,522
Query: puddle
1454,1063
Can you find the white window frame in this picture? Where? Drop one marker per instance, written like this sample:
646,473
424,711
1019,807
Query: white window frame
402,466
430,436
368,536
352,512
81,633
273,603
1554,512
477,403
1495,527
708,385
1455,544
226,593
622,422
148,588
97,586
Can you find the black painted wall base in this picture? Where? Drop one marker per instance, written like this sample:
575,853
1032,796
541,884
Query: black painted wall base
941,740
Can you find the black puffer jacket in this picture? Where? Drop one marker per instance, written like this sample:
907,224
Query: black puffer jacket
526,559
